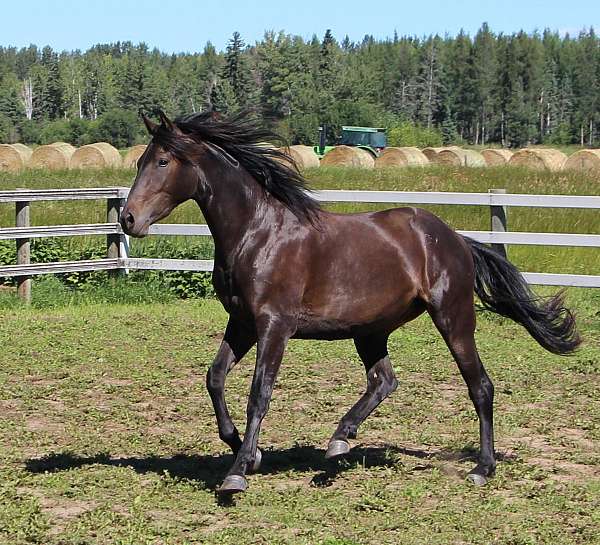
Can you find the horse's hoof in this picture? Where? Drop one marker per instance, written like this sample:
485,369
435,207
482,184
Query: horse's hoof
477,479
257,460
233,484
337,447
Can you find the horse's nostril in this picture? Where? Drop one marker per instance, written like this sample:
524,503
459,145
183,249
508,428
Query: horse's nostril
129,220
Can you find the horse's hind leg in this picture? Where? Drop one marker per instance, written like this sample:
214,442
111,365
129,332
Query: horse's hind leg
456,323
236,343
381,382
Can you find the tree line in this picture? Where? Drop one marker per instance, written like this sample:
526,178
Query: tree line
491,88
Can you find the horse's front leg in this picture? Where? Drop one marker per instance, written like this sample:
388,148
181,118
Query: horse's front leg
273,335
236,343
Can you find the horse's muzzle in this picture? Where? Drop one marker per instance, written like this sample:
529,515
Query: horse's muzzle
131,226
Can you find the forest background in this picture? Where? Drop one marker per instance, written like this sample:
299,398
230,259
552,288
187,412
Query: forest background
499,89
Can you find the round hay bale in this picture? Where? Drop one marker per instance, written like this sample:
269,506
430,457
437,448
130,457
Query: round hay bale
460,157
13,157
303,156
54,156
539,159
586,160
23,148
401,157
348,156
133,154
496,157
432,153
98,155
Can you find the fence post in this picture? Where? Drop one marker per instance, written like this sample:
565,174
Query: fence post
499,222
23,251
116,243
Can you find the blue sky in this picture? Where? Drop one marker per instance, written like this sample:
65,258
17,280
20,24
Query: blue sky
186,25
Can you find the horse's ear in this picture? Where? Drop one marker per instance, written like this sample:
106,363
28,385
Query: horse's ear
165,120
150,125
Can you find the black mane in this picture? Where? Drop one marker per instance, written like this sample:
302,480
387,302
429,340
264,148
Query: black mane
241,137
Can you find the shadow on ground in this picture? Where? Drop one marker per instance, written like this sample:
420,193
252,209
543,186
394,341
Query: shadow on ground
209,471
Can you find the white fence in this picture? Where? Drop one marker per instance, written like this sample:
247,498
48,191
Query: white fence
117,243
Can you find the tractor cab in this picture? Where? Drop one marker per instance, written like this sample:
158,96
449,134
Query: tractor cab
372,139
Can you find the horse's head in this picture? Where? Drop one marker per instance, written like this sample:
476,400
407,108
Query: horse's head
163,181
211,159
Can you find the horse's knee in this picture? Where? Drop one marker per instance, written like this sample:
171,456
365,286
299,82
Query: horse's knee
214,380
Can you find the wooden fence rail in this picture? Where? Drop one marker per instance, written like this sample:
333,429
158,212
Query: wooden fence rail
118,260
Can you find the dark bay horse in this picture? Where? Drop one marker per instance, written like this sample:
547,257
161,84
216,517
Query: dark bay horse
284,268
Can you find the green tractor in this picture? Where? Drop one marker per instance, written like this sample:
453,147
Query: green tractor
373,139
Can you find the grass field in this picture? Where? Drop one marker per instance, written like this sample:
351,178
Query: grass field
514,180
107,436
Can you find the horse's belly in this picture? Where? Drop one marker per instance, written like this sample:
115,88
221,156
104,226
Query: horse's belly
353,316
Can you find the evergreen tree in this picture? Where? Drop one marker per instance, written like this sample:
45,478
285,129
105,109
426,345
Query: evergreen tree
236,72
11,105
549,100
460,89
38,77
327,53
131,81
518,126
586,73
532,76
305,117
276,71
222,97
565,101
485,65
326,84
49,97
520,105
346,44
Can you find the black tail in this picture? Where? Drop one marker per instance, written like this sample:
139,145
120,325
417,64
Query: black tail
502,289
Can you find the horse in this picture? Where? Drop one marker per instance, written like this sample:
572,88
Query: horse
285,268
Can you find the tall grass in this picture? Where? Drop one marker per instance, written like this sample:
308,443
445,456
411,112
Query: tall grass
50,292
434,178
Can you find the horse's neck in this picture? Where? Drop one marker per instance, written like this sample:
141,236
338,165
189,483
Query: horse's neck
233,206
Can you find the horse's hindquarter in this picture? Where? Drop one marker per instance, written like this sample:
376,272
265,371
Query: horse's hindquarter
366,273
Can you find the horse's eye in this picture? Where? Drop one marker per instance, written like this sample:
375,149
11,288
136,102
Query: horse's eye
163,162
